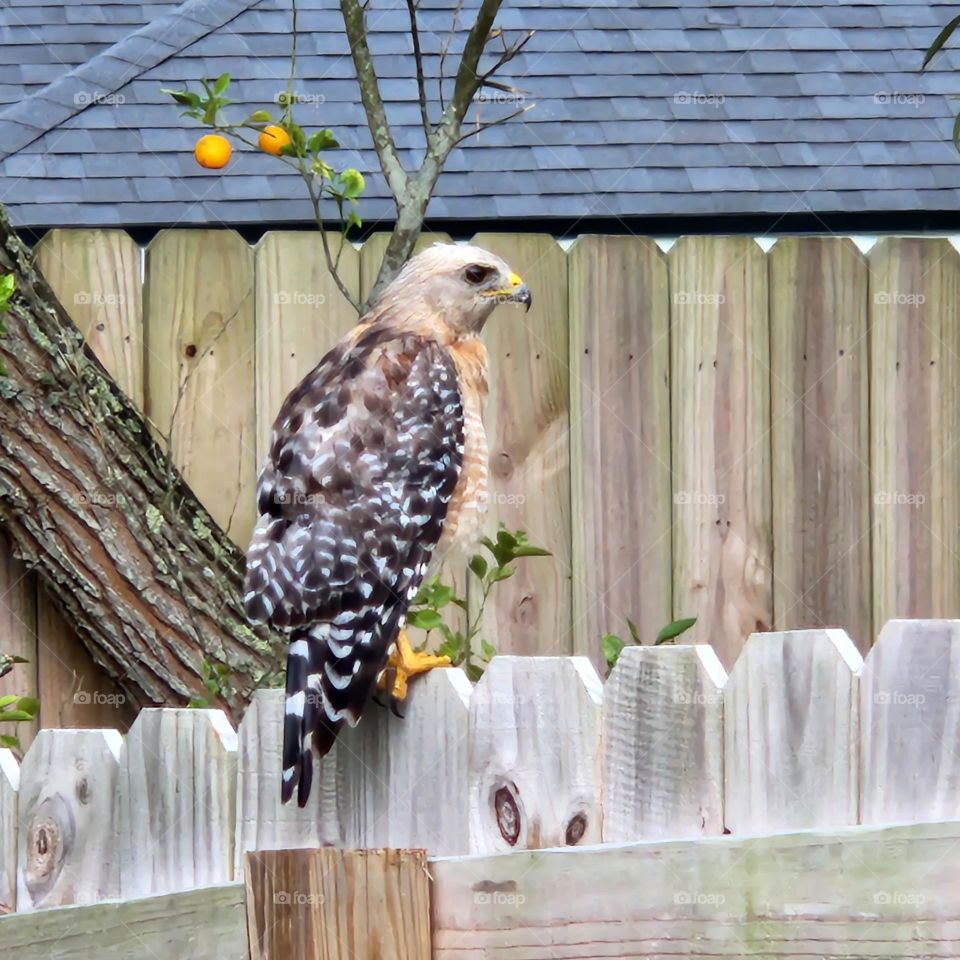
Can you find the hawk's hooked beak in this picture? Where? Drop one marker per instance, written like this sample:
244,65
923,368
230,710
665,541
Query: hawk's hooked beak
517,292
523,295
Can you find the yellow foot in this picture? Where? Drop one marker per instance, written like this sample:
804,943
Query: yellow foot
404,663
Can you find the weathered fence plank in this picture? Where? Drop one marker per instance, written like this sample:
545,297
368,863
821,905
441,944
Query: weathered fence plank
9,790
66,850
620,437
528,426
663,744
73,690
176,800
300,314
819,409
338,904
404,782
199,301
263,823
720,389
915,427
857,892
205,924
534,754
791,730
96,276
911,727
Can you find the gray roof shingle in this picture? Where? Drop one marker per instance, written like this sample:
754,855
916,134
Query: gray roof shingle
661,109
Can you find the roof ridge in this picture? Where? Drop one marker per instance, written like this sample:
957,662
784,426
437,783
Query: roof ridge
95,79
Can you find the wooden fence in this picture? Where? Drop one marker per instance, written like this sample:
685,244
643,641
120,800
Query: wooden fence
656,766
761,439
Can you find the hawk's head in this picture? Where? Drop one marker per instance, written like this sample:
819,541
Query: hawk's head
458,282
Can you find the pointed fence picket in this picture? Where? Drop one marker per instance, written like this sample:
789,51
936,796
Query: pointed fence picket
802,734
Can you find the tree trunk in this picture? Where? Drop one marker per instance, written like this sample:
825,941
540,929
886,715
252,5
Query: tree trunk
151,583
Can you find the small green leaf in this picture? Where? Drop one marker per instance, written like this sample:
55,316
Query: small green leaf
7,700
634,632
29,705
7,285
942,37
442,596
474,672
223,81
260,116
528,551
501,573
478,566
353,219
184,97
351,183
425,619
612,647
673,630
15,716
322,140
488,650
10,742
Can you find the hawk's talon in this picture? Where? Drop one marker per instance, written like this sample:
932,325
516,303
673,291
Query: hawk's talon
404,663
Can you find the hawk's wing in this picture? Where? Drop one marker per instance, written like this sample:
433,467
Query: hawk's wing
365,455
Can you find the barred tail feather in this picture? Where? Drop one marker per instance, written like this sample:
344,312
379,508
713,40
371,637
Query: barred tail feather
305,725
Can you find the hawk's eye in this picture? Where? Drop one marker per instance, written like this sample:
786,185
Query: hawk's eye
476,273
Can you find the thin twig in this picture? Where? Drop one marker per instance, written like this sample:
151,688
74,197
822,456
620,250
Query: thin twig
331,264
418,57
445,47
486,125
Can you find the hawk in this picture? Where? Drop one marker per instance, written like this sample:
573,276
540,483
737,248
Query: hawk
377,466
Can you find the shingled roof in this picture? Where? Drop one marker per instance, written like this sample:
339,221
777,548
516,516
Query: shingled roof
698,108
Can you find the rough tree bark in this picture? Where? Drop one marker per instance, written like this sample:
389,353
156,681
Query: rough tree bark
89,499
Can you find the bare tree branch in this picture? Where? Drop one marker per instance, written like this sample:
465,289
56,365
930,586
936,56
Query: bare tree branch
412,192
508,54
418,57
487,124
445,47
396,176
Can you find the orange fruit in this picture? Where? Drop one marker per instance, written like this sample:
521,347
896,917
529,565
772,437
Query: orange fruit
271,139
212,151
